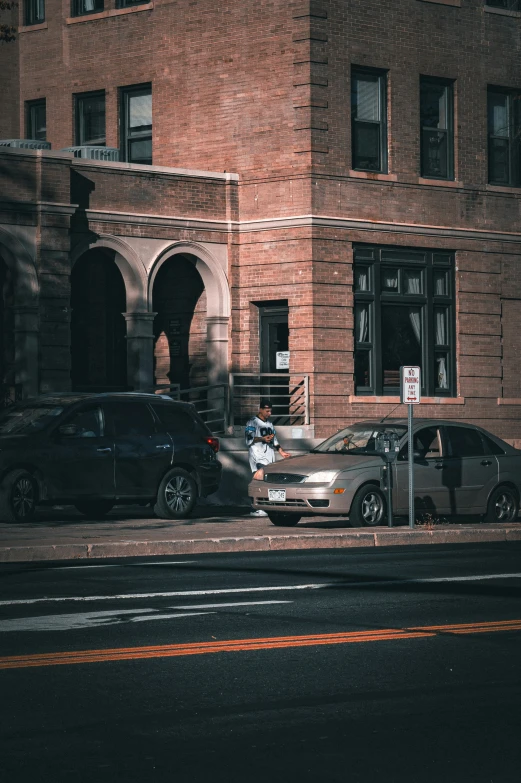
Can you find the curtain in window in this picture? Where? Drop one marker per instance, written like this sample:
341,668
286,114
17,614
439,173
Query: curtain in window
40,10
415,319
439,285
88,5
367,98
362,280
413,282
391,279
440,328
443,382
362,323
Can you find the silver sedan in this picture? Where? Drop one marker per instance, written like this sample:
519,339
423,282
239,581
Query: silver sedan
459,469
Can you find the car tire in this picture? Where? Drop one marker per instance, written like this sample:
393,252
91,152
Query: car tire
280,519
18,496
94,508
368,507
503,505
176,496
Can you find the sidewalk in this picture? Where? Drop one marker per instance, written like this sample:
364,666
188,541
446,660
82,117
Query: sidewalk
63,534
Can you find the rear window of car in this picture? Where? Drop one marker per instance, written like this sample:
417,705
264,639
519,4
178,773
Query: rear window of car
130,419
491,446
465,442
175,419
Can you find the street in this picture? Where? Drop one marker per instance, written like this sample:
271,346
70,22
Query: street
396,664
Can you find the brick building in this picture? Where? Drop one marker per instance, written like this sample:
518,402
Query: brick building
340,178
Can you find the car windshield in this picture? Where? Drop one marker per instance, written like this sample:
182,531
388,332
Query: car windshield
22,420
358,439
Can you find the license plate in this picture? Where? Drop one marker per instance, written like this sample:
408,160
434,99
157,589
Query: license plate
276,494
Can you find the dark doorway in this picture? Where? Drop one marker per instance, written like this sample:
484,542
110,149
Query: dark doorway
98,330
179,300
274,340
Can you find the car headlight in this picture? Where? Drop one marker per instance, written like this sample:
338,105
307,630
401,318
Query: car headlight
322,477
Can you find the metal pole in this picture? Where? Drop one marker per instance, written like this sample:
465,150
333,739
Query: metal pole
411,465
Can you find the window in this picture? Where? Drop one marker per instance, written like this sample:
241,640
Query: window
84,7
34,11
90,119
508,5
88,423
369,120
504,132
174,420
136,124
404,315
129,3
36,120
436,128
465,442
131,419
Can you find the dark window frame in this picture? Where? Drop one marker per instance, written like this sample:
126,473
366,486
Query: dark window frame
126,136
505,5
448,84
78,7
382,123
378,259
34,12
79,99
130,3
31,109
513,139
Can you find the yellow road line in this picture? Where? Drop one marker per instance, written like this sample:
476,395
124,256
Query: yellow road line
244,645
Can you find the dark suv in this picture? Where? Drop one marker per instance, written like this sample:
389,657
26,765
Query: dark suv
97,450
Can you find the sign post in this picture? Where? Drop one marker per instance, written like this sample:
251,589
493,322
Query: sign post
410,394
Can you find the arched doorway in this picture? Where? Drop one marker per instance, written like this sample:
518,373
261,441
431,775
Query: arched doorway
8,390
98,331
180,329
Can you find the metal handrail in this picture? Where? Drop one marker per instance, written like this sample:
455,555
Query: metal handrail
289,392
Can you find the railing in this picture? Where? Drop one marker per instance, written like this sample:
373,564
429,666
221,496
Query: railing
210,402
288,393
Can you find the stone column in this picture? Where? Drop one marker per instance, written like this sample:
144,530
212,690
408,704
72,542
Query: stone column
140,350
26,345
217,353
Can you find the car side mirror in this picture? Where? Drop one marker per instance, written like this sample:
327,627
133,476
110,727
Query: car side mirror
68,430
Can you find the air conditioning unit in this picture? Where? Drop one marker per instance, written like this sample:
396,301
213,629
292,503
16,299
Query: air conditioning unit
26,144
94,153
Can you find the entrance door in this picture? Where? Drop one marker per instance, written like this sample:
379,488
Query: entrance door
274,334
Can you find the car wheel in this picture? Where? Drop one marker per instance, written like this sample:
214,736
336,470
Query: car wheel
280,519
176,496
18,497
368,507
94,508
503,505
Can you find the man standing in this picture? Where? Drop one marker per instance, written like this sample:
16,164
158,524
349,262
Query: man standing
262,442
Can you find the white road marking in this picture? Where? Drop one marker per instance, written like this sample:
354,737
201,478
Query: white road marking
124,565
266,589
69,622
226,606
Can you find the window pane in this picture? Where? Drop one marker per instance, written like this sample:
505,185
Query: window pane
363,369
366,146
440,284
362,279
465,442
87,423
434,105
499,160
82,7
498,115
441,326
401,339
441,370
435,154
132,418
174,420
390,280
427,442
35,11
140,112
140,151
362,323
366,97
37,121
413,281
92,120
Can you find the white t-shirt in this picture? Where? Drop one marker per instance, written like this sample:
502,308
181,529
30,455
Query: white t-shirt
260,453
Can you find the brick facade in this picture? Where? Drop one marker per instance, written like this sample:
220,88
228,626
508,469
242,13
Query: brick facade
263,90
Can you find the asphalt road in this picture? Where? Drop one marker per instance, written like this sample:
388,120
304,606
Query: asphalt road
400,664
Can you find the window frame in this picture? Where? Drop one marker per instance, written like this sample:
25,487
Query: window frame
124,126
31,108
377,259
383,123
31,10
449,98
76,10
130,3
79,98
510,5
514,137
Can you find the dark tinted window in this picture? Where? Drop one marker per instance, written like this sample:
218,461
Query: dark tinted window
465,442
426,441
491,446
131,418
88,423
174,419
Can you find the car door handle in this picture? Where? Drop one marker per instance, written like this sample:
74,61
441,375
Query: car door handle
104,451
164,446
486,462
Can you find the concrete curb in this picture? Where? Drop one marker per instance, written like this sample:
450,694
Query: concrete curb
336,540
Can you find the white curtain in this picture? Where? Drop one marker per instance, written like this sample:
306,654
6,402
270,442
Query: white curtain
40,7
439,325
442,373
367,98
362,324
89,5
415,319
413,282
439,288
362,280
391,280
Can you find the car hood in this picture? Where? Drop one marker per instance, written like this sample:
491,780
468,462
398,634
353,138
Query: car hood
311,463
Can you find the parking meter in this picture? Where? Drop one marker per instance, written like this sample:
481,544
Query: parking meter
387,445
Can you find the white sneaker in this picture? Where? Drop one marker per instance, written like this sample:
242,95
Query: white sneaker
258,513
